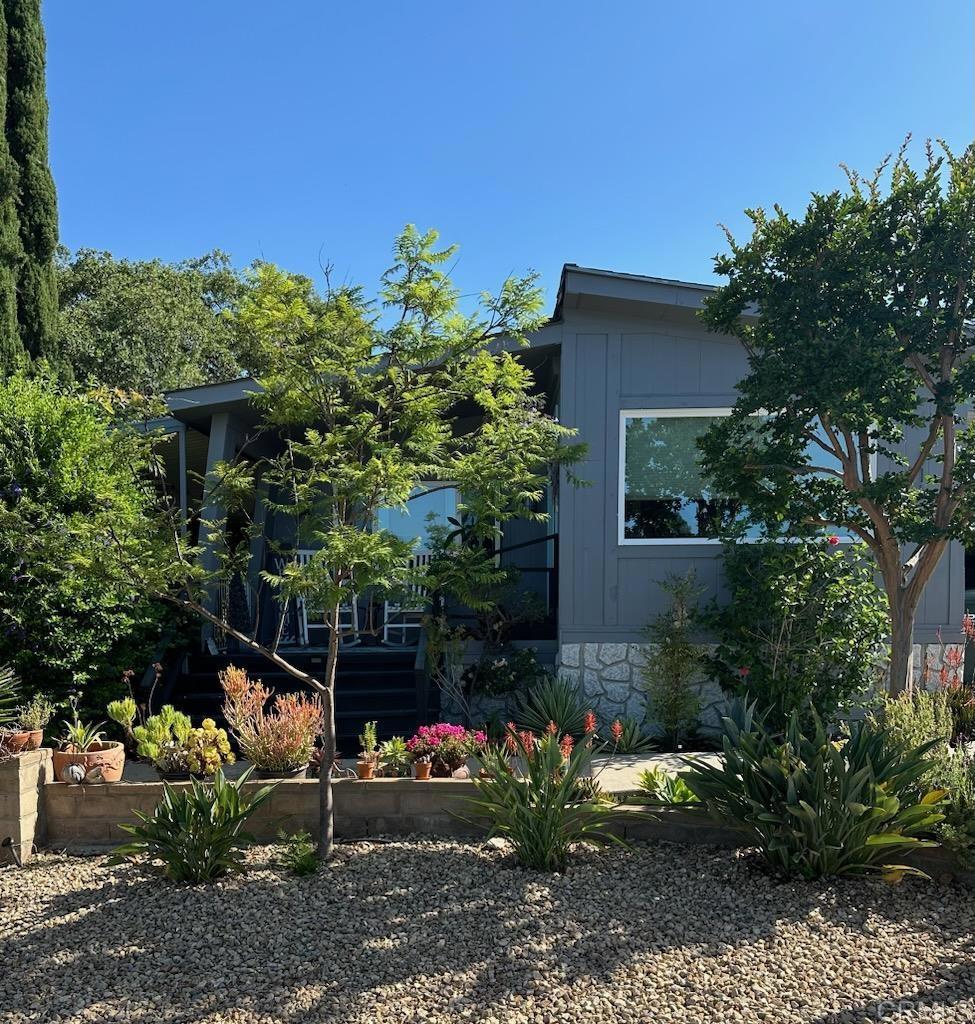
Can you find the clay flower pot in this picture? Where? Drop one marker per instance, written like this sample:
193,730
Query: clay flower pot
365,769
25,739
102,762
423,769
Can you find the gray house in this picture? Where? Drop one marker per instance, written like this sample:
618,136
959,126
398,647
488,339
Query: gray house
626,361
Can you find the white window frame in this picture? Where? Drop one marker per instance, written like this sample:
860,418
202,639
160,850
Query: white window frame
671,413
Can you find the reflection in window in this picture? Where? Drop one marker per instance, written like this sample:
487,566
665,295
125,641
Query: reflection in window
665,496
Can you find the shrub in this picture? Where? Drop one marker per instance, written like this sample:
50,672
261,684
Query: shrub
197,833
299,854
666,787
914,718
815,807
504,672
70,476
670,672
957,831
545,812
554,700
280,739
804,628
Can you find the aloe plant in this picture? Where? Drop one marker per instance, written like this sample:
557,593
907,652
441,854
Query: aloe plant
816,807
549,809
554,700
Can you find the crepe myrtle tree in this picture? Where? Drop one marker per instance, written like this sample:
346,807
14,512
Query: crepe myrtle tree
371,401
856,319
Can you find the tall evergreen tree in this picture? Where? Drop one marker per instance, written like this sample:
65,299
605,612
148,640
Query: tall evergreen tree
26,132
11,348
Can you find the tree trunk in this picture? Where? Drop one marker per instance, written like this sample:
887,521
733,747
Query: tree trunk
902,611
326,821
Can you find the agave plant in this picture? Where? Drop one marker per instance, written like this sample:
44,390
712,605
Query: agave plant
198,833
554,700
815,807
666,787
547,810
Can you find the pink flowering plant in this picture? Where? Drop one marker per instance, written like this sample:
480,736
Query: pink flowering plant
446,746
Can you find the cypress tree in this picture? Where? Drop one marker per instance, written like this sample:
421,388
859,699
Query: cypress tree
26,131
11,348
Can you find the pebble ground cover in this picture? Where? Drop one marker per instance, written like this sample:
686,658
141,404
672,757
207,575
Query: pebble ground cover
423,930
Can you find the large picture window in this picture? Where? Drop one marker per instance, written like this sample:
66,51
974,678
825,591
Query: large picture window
663,496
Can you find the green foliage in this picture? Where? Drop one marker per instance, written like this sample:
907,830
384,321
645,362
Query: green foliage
666,787
12,351
861,350
197,832
148,326
123,712
803,628
673,667
553,700
173,745
814,807
80,736
299,855
918,717
542,814
36,712
499,672
960,699
395,757
632,738
35,195
9,695
75,530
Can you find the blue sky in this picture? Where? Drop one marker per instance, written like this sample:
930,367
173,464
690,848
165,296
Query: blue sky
532,133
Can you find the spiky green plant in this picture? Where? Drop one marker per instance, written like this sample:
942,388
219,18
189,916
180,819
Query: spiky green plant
814,807
298,853
197,832
541,813
395,757
9,693
553,700
666,787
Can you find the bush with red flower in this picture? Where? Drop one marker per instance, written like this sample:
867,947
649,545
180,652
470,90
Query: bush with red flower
446,746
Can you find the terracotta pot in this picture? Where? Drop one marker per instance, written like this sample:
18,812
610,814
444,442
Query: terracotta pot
365,769
15,742
422,769
35,737
108,758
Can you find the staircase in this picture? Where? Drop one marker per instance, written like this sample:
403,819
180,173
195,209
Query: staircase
372,683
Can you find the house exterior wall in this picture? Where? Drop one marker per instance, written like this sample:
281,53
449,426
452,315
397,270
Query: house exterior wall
656,360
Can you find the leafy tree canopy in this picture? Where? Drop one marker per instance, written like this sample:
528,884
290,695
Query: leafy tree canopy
852,415
145,325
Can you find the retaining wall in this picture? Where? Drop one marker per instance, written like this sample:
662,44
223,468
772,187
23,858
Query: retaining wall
23,781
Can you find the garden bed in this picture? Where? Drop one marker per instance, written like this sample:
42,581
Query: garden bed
445,932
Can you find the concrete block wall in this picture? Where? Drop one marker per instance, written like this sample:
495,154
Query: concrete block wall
90,815
23,779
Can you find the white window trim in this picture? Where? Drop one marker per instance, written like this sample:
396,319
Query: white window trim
626,414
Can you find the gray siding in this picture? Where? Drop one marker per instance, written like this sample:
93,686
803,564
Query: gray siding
611,362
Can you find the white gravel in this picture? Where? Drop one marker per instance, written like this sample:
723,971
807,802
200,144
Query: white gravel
434,931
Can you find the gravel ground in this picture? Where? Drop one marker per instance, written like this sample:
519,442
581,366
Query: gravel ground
440,931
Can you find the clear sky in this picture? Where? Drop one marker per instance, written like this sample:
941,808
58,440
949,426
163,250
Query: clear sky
613,135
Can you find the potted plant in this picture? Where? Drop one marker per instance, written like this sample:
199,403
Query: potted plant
369,756
447,747
34,717
394,757
279,737
85,756
422,765
177,750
